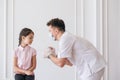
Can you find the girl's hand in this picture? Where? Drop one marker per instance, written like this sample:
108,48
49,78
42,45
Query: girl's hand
28,72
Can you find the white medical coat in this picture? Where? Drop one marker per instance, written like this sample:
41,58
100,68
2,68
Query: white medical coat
81,53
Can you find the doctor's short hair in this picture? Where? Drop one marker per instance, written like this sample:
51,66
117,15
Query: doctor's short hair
58,23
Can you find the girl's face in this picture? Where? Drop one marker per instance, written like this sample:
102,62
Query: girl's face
28,39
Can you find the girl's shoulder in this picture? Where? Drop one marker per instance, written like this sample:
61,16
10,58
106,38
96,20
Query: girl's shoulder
16,49
33,49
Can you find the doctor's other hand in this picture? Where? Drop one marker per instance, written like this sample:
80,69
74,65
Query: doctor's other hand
49,51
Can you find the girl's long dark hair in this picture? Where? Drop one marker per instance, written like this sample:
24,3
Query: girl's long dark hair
24,32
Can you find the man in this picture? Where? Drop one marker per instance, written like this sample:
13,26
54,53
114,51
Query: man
75,51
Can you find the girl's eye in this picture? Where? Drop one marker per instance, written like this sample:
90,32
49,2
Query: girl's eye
30,38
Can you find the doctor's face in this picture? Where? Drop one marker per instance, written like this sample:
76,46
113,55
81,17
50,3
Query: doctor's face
53,31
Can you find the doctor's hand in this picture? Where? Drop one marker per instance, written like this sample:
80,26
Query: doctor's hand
49,51
67,62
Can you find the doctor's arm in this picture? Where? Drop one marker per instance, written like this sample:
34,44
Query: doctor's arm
60,61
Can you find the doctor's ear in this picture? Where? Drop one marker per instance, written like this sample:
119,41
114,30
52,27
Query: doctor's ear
56,30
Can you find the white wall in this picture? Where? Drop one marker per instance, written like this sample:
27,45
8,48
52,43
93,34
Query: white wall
114,39
90,25
2,39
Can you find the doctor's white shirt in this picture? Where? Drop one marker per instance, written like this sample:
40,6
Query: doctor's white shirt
81,53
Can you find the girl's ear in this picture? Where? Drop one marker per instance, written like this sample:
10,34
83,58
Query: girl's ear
23,37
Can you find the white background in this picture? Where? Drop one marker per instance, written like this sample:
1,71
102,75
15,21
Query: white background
114,39
96,20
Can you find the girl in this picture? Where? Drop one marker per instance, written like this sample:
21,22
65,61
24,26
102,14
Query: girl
25,56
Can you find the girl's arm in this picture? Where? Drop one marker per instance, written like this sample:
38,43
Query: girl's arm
20,71
16,68
33,61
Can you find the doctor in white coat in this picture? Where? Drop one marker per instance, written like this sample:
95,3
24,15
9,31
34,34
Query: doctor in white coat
75,51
